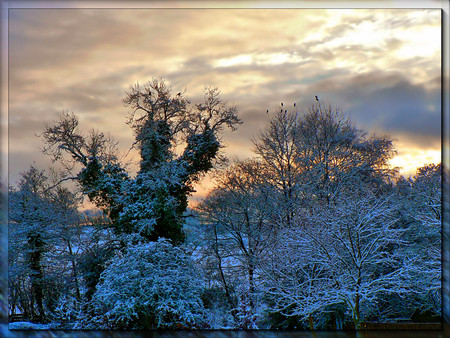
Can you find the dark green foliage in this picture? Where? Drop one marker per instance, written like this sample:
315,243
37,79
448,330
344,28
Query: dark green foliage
91,265
217,297
275,320
102,184
425,316
154,144
152,204
200,151
168,224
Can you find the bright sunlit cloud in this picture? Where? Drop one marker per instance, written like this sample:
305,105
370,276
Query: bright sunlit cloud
258,59
422,43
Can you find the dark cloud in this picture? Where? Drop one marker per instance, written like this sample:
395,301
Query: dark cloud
85,97
357,17
381,101
429,70
339,29
99,93
191,68
386,102
45,38
393,44
404,21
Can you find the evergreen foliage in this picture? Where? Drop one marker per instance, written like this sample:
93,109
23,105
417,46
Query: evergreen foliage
151,204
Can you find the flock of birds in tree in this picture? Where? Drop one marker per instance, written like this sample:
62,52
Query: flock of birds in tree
317,99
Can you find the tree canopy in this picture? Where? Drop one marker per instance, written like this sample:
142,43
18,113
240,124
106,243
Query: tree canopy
152,203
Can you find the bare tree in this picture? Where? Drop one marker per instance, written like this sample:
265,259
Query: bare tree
239,234
340,253
320,153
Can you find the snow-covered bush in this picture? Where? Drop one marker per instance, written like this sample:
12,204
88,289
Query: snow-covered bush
150,286
219,312
66,312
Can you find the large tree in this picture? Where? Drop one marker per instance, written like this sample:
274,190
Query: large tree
320,153
152,203
340,253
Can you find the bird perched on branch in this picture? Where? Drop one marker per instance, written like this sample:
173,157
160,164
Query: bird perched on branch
317,99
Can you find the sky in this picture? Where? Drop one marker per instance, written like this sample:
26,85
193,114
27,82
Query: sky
381,66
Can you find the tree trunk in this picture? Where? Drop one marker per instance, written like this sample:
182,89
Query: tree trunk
251,282
333,321
356,312
311,322
37,292
222,275
75,274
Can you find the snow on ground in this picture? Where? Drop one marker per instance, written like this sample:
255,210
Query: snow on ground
32,326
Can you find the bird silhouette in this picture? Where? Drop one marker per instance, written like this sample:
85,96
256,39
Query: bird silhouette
294,104
317,99
267,111
282,104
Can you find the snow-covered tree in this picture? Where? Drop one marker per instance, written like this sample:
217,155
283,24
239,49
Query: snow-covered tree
340,253
3,253
310,167
320,153
446,244
238,234
151,204
427,189
41,221
151,285
30,220
421,201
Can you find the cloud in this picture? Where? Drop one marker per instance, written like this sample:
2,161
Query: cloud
386,102
45,38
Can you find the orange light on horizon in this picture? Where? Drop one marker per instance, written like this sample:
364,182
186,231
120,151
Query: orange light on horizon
409,160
